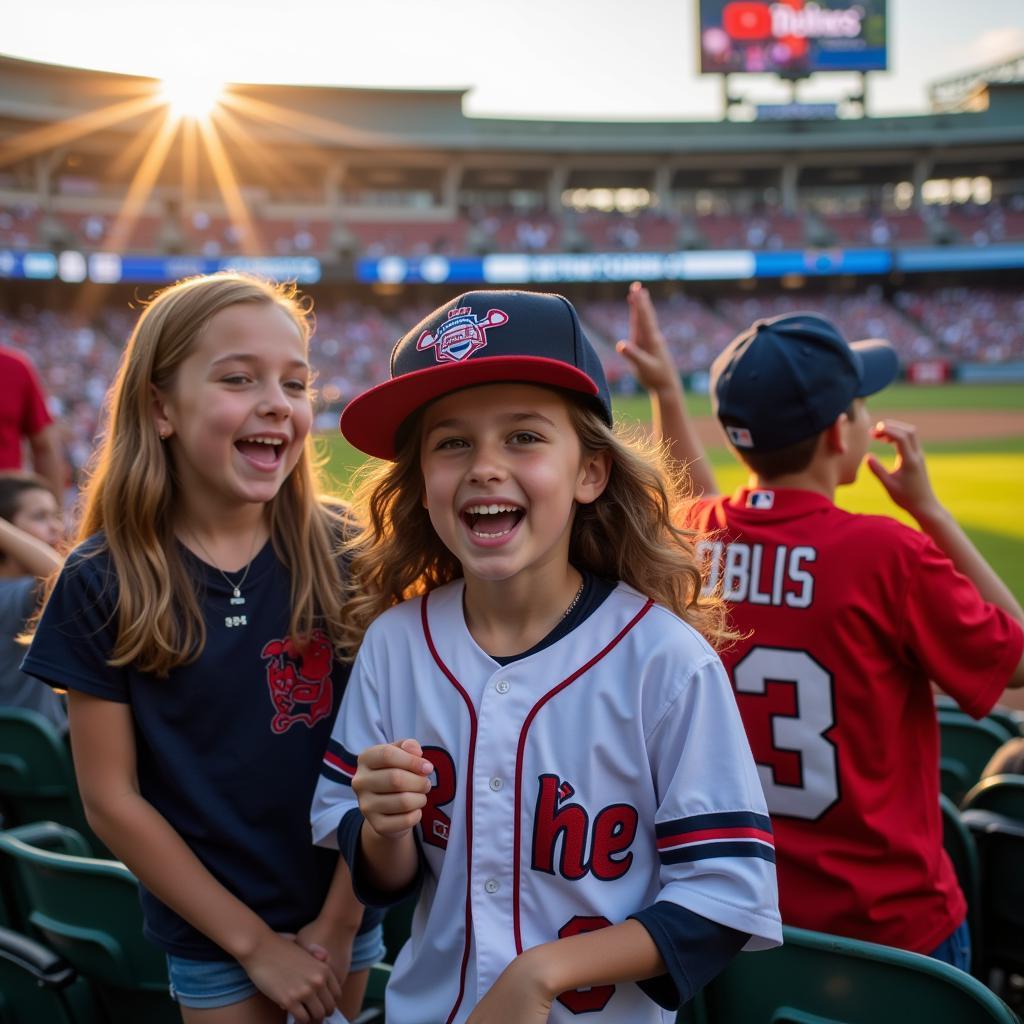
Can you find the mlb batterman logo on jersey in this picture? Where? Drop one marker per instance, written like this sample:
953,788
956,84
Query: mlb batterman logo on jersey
463,334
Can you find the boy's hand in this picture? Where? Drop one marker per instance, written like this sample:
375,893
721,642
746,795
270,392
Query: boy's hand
907,483
392,781
646,351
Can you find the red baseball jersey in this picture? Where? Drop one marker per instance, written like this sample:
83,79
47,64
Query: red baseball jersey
23,411
845,619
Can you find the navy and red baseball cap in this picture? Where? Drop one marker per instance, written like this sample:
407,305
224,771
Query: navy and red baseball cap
482,337
788,378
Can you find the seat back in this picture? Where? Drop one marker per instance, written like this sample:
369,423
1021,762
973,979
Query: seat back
1000,842
1009,718
966,747
38,987
1003,794
37,778
373,1001
46,835
960,848
88,911
825,979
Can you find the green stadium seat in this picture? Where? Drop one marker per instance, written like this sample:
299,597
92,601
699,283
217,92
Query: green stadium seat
38,987
1012,721
959,845
1000,842
1003,794
37,778
373,1001
823,979
88,911
46,835
966,747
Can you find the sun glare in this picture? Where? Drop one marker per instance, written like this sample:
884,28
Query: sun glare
191,96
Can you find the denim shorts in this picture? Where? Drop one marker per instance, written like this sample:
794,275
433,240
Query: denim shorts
207,984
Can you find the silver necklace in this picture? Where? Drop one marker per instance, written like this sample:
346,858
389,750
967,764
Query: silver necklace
575,601
236,588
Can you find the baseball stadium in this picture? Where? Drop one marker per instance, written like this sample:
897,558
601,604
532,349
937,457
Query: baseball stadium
380,205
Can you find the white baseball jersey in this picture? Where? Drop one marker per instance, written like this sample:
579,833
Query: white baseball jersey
573,787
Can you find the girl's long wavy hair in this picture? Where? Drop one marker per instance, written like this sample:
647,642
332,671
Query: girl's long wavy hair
628,533
132,493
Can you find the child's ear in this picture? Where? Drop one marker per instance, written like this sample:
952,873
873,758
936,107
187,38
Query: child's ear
595,470
163,425
836,440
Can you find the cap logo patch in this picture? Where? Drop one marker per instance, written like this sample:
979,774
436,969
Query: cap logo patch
462,335
761,499
740,436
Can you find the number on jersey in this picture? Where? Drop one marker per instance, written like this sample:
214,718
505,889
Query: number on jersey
796,732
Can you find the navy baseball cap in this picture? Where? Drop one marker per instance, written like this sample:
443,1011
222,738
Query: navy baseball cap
788,378
484,337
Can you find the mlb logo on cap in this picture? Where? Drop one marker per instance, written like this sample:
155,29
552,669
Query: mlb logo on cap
740,436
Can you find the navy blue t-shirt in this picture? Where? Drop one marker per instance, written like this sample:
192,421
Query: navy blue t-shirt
228,747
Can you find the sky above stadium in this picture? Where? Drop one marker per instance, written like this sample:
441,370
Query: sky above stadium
534,58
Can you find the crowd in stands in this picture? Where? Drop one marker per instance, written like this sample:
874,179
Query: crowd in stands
970,323
353,340
498,229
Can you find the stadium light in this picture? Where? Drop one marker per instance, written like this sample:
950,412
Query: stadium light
191,95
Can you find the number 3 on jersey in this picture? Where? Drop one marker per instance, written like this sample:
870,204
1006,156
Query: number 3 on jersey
798,730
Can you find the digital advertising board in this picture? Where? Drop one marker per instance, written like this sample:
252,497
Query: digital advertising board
792,37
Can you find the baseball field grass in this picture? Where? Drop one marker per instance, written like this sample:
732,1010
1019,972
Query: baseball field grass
973,436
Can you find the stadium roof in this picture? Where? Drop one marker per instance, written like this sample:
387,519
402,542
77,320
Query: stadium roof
33,94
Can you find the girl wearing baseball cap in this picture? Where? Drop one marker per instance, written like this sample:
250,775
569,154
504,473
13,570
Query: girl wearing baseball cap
538,737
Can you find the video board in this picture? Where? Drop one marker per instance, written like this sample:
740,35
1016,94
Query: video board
792,37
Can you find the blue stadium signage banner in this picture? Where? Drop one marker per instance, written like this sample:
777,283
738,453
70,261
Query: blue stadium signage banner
793,38
111,268
714,265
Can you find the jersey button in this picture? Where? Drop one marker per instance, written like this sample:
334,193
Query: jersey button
496,784
502,686
492,885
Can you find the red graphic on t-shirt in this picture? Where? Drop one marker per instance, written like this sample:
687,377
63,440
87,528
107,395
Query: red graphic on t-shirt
300,681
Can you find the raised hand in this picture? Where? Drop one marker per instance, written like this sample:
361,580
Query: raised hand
907,482
646,350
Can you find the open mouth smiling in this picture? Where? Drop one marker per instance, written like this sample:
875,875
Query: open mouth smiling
263,449
492,520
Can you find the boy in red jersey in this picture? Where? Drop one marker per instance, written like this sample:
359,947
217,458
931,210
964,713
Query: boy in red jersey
846,619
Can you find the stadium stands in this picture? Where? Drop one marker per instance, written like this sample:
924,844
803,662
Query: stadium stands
77,355
88,227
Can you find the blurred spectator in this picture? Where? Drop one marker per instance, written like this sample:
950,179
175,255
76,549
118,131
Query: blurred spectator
25,417
31,527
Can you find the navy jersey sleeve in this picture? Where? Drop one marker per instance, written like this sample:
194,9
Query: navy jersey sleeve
348,843
695,951
77,631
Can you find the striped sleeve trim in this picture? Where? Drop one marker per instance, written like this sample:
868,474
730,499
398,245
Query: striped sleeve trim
728,834
339,764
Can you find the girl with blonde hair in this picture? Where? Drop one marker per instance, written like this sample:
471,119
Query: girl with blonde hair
197,628
537,735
